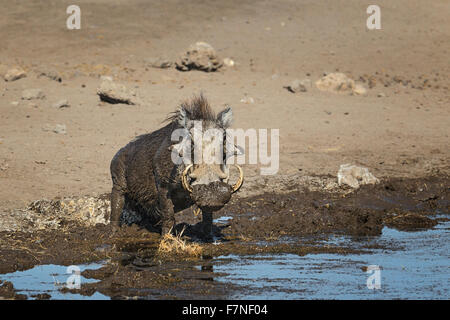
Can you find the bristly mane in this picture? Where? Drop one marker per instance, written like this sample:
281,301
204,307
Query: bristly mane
197,108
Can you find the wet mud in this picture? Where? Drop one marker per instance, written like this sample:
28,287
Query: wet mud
295,223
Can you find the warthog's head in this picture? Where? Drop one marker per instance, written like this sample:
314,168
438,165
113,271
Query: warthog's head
204,151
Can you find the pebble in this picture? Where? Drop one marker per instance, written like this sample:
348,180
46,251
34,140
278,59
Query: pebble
60,129
15,74
299,86
161,63
30,94
112,92
248,100
228,62
199,56
61,104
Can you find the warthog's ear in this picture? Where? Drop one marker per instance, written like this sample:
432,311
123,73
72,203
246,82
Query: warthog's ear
184,119
225,118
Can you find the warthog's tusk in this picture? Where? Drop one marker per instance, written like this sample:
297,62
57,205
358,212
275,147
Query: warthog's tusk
234,188
238,184
184,180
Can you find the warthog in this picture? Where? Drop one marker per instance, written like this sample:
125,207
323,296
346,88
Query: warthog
146,177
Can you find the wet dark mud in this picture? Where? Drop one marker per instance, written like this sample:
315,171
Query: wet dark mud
298,223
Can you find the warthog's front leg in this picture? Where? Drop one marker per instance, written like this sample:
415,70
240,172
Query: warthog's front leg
165,209
207,224
117,203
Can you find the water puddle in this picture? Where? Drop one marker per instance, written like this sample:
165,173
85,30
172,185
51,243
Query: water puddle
417,267
49,279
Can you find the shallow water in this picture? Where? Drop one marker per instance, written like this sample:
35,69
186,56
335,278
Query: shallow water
415,266
418,267
49,279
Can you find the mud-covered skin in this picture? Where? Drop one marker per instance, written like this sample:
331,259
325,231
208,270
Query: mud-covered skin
144,174
146,179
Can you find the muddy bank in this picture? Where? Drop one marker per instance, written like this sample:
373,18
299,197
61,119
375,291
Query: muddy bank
263,224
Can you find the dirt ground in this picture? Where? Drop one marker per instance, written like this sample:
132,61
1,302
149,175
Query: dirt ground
405,133
399,129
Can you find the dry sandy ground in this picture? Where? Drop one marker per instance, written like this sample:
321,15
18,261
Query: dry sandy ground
402,132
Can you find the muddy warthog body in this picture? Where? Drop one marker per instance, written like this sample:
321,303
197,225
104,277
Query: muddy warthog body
146,178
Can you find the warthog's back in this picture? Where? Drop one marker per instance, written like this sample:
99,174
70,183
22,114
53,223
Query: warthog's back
132,168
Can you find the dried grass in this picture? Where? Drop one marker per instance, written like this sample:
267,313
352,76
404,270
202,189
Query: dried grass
176,245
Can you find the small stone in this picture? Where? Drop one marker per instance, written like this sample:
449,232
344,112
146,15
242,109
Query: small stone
199,56
51,74
248,100
355,176
161,63
381,95
15,103
228,62
359,90
335,82
15,74
30,94
340,83
106,78
60,129
112,92
372,82
61,104
299,86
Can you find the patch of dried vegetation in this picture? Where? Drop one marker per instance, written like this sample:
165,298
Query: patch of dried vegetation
177,245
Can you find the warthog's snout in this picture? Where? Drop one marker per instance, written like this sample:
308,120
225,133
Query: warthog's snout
211,197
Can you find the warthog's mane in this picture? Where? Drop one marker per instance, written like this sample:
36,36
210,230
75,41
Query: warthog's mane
197,108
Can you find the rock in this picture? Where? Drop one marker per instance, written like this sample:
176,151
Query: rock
299,86
372,81
4,165
340,83
160,62
248,100
15,74
112,92
381,95
15,103
199,56
359,90
30,94
228,62
60,129
61,104
51,74
87,210
355,176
